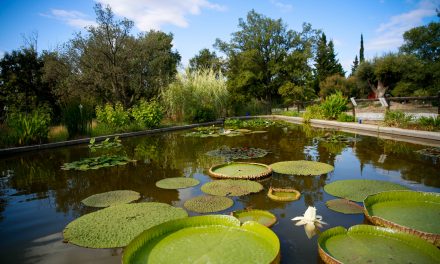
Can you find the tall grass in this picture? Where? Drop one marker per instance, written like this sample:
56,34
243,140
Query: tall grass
196,95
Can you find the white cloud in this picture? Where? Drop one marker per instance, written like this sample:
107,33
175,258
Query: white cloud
389,35
283,7
152,14
70,17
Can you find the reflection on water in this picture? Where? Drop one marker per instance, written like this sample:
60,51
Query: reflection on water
37,199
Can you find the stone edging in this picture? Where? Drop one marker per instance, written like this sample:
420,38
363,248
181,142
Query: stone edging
10,151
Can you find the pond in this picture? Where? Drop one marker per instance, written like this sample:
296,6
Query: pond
38,199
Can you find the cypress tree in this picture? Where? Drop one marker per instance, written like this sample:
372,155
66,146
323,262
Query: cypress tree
355,65
361,51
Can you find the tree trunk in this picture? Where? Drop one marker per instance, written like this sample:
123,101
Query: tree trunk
380,90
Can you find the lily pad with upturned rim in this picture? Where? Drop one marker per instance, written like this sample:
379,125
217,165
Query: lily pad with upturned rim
231,187
177,183
204,239
208,204
283,195
111,198
344,206
117,225
240,170
301,167
265,218
357,190
371,244
412,212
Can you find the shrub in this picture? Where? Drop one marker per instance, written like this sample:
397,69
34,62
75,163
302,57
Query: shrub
77,118
291,113
250,107
115,116
147,114
334,105
397,118
202,114
343,117
429,123
28,128
313,112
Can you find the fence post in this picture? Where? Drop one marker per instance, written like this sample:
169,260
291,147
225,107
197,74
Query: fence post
388,101
353,107
438,103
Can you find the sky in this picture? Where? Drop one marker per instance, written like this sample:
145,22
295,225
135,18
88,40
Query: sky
195,24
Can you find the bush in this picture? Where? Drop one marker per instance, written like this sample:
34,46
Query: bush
115,116
77,118
250,107
291,113
147,114
200,115
343,117
28,128
334,105
313,112
429,123
397,119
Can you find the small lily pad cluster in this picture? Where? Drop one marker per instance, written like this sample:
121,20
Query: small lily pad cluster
105,145
237,153
95,163
252,123
332,138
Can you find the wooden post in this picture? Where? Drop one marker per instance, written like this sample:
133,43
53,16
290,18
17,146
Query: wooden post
388,101
353,107
438,103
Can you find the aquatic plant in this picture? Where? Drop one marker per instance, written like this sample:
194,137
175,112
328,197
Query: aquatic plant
111,198
208,204
310,220
336,138
177,183
231,187
116,226
240,170
433,152
95,163
237,153
358,190
301,167
344,206
265,218
283,195
204,239
105,145
372,244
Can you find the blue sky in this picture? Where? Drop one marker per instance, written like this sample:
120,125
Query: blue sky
197,23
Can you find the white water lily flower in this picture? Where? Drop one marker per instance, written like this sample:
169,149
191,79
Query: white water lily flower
310,220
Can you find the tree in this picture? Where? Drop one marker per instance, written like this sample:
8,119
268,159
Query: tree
361,50
206,59
354,66
423,42
333,84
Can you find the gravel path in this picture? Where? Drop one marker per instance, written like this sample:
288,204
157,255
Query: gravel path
380,116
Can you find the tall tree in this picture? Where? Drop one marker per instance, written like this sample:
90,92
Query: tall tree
361,50
206,59
423,42
354,66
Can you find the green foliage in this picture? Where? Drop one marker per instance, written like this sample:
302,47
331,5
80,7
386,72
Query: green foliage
291,113
237,153
301,167
111,198
397,118
95,163
77,118
231,187
429,123
423,42
208,204
196,96
177,183
29,128
147,114
206,59
114,116
249,107
344,206
313,112
334,83
106,145
334,105
343,117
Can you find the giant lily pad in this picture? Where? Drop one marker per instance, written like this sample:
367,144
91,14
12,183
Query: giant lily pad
240,170
238,153
204,239
412,212
231,187
358,190
371,244
116,226
283,195
208,204
177,183
97,163
265,218
111,198
344,206
301,167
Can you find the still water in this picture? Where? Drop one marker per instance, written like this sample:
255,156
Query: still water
38,199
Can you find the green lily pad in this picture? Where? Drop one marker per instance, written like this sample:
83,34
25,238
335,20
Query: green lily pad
283,195
208,204
240,170
177,183
95,163
204,239
265,218
301,167
238,153
408,211
371,244
231,187
111,198
358,190
116,226
344,206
